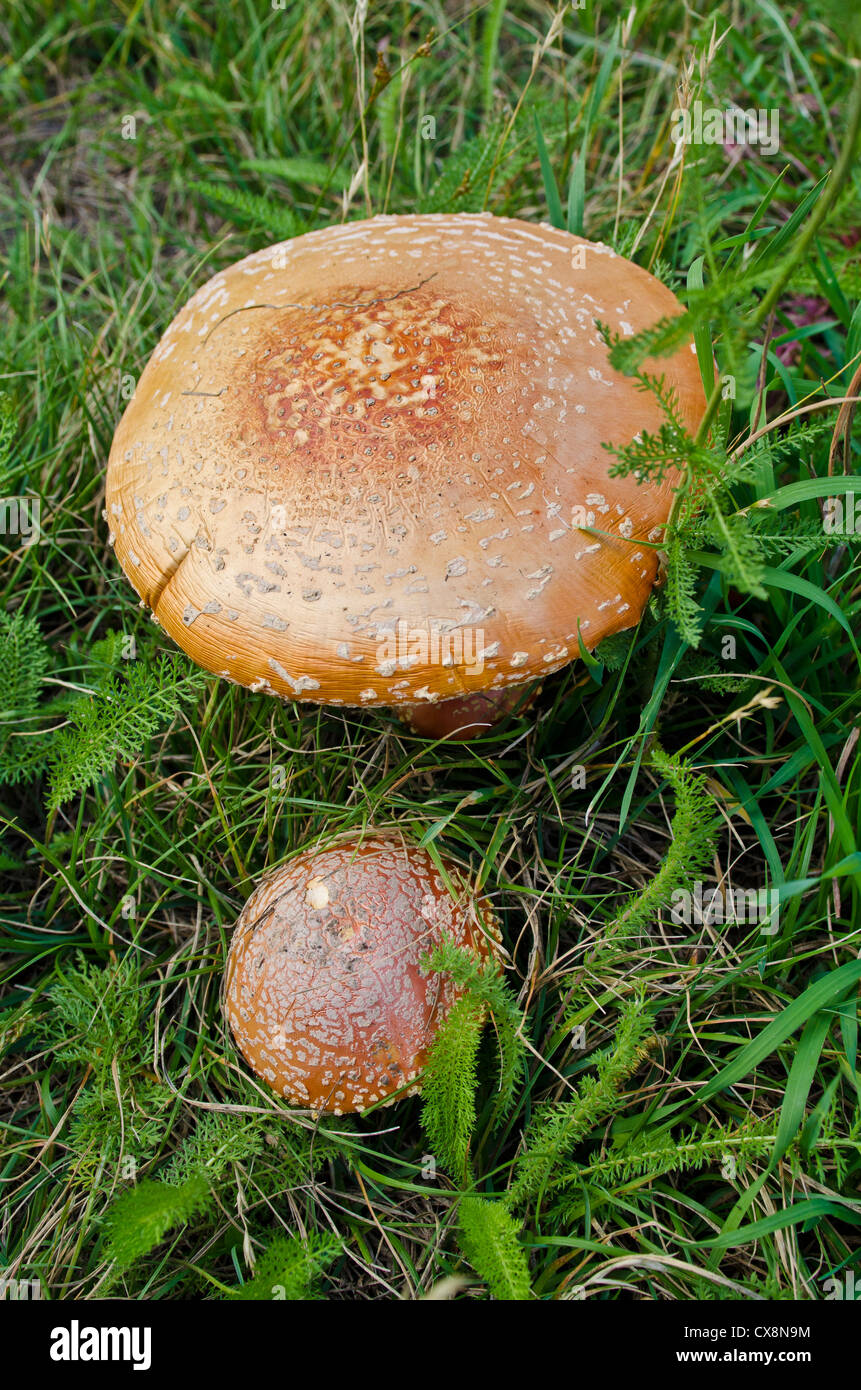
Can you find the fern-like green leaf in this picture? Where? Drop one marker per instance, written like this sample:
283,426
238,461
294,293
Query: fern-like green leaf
289,1268
140,1218
672,332
484,981
612,652
462,183
701,671
449,1082
24,757
682,576
729,1148
250,209
117,721
557,1126
24,659
489,1239
776,535
8,435
742,560
96,1018
692,841
219,1140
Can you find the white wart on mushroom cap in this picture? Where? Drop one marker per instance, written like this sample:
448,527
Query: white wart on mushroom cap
325,990
354,468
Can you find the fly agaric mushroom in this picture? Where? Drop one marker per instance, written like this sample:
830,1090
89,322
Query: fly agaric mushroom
325,989
357,466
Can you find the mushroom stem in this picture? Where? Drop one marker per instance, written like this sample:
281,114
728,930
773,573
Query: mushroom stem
467,716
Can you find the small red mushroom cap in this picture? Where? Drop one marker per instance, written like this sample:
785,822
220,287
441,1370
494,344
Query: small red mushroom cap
326,992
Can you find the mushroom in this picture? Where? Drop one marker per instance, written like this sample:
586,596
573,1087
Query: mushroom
357,467
467,716
326,992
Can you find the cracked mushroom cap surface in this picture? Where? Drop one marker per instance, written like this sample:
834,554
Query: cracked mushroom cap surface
354,468
325,991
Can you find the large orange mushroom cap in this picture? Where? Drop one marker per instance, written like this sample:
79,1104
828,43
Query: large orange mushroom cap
354,468
325,989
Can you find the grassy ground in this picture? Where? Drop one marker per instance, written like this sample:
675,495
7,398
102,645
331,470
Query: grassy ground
687,1122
